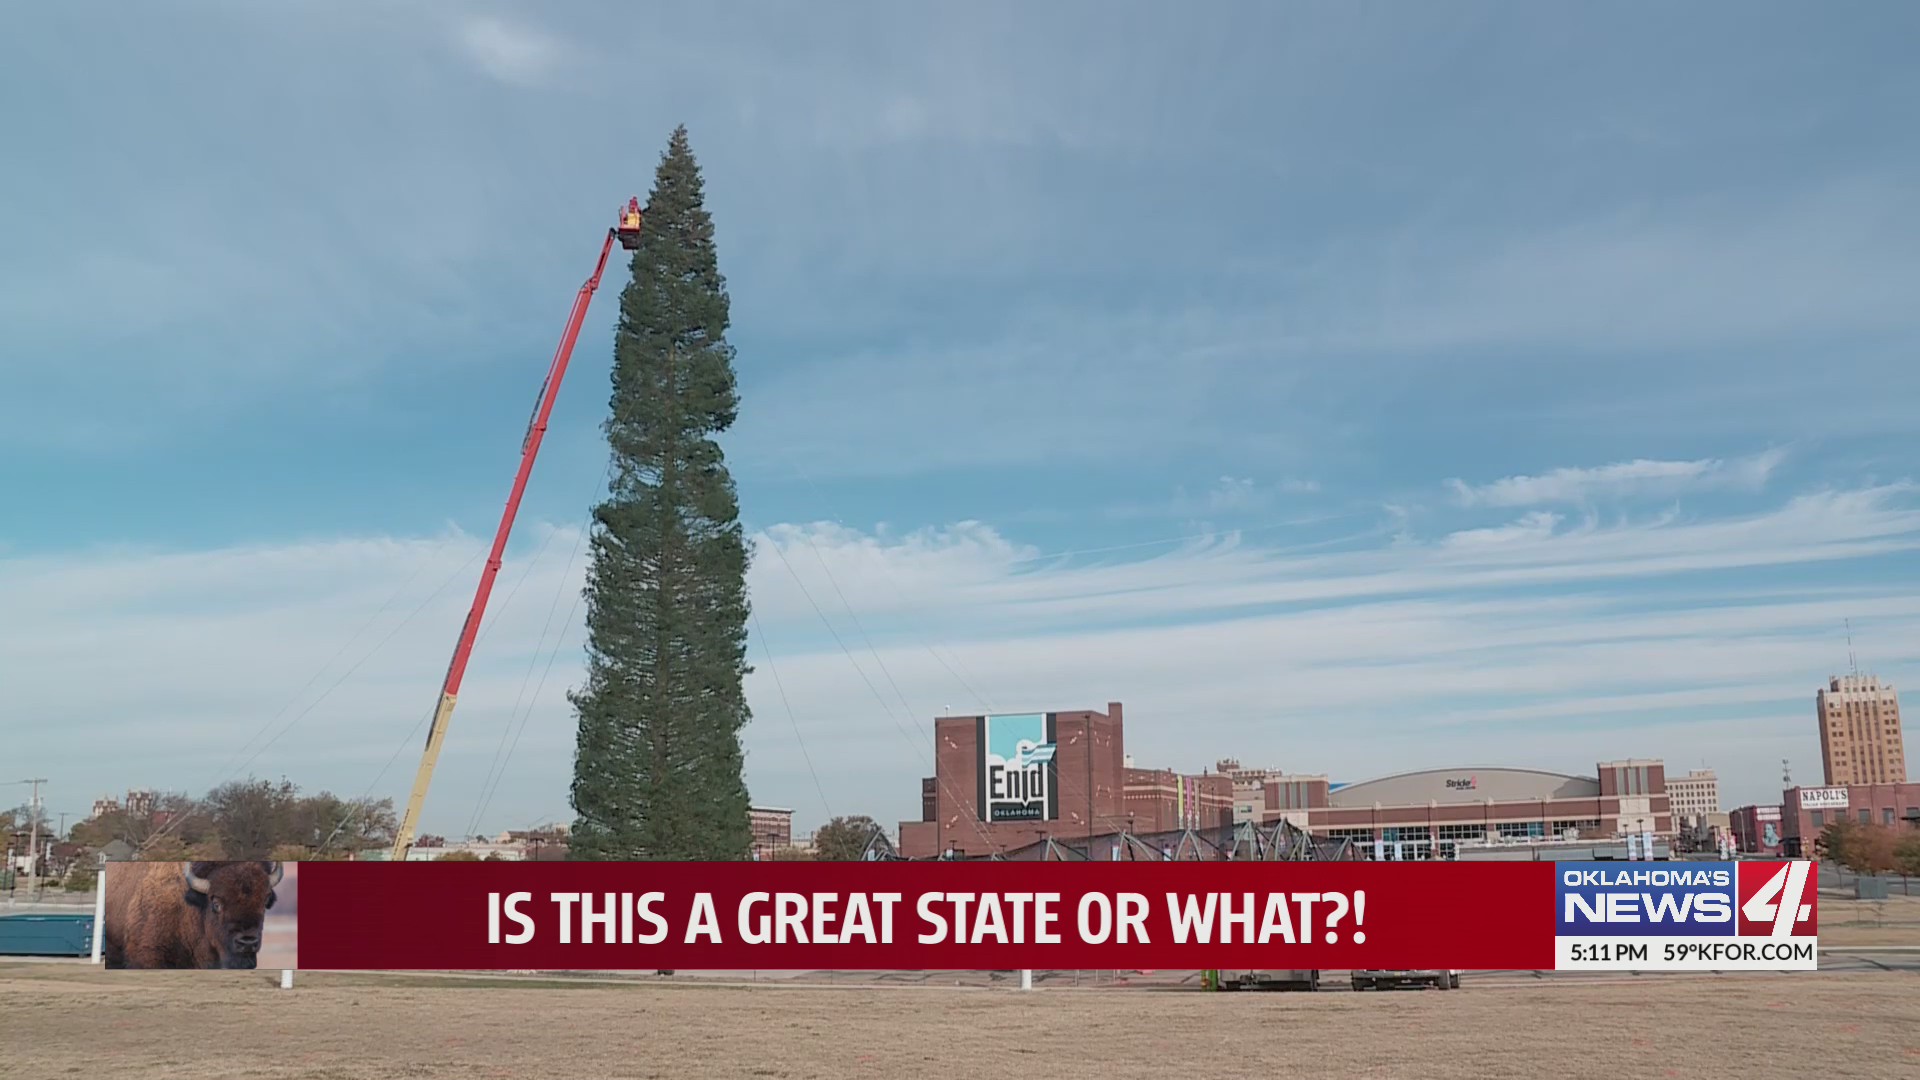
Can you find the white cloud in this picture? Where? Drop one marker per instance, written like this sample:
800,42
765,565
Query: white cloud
1640,478
1232,493
1427,651
513,53
1231,497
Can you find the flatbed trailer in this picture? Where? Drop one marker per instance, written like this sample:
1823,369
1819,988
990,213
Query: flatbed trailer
1261,980
1439,979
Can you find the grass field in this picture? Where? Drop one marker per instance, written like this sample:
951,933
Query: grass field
1893,921
223,1026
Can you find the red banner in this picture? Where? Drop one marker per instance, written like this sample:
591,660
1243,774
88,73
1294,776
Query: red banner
925,916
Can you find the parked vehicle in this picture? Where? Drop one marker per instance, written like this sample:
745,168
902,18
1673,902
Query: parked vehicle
1262,980
1387,980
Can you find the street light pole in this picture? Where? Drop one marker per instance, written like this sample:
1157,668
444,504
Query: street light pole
33,842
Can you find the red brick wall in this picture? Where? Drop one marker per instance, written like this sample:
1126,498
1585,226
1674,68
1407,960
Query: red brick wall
1749,830
1153,800
1087,768
1875,799
1275,804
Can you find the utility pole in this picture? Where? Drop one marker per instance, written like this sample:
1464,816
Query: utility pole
33,842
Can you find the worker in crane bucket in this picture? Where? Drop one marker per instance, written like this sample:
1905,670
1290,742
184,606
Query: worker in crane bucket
629,228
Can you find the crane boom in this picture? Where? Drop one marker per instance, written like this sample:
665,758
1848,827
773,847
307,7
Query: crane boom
627,232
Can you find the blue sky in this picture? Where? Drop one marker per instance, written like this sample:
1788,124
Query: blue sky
1347,388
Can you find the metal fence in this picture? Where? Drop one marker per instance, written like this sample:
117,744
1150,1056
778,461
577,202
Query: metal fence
1833,876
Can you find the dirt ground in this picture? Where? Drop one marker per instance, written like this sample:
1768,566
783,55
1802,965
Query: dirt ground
63,1022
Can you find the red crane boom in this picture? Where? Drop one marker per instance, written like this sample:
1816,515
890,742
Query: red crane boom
627,232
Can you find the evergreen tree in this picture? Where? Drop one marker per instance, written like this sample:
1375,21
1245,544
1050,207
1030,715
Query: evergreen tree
658,763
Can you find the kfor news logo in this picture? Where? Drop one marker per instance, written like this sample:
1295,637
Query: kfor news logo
1749,899
1777,900
1687,916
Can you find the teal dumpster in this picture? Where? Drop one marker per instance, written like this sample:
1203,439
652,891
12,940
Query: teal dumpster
46,935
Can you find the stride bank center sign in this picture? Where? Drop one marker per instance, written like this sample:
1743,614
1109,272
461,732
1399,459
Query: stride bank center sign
1019,779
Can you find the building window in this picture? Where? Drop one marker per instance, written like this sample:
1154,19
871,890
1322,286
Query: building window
1461,832
1866,816
1520,830
1350,834
1819,819
1887,815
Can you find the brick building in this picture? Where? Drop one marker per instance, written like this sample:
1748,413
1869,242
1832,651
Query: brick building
1804,811
1695,796
1860,737
772,829
1161,800
1247,787
1756,829
1004,783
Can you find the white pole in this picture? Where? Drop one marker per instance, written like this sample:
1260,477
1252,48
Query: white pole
286,978
33,843
99,909
1026,980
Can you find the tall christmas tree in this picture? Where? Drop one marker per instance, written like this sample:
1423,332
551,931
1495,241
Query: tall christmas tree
657,768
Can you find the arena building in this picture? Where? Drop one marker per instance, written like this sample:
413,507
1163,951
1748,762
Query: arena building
1410,814
1006,783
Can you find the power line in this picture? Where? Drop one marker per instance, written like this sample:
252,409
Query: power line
885,708
344,646
502,754
767,649
551,657
894,583
167,828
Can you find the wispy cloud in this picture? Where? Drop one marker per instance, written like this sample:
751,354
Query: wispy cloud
511,52
1623,480
1002,173
1220,646
1240,493
1230,498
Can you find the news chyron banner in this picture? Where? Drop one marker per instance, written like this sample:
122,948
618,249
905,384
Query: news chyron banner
917,916
920,916
1744,916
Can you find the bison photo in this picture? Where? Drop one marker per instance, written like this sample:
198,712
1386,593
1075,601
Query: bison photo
187,915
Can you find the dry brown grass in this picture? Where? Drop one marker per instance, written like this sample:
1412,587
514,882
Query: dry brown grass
1893,921
223,1026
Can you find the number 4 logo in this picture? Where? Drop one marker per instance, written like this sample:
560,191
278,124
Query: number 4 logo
1778,901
